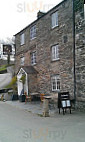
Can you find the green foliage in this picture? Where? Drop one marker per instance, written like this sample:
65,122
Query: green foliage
13,81
4,67
23,79
79,5
13,84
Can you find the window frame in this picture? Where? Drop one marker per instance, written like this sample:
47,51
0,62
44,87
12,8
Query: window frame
33,58
33,32
56,82
22,61
54,19
22,39
55,52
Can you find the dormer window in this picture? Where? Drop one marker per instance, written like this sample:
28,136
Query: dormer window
22,39
33,32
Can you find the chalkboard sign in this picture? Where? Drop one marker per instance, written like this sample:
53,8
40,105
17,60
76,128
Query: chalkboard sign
64,101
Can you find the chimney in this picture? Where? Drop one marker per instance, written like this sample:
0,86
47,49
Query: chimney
40,14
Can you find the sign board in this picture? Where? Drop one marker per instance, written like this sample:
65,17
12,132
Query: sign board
7,49
64,101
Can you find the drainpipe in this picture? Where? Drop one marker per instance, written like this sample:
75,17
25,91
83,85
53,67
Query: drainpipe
74,71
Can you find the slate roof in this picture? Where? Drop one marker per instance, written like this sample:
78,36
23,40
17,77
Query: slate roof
29,69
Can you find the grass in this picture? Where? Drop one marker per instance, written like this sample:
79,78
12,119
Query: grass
4,67
40,115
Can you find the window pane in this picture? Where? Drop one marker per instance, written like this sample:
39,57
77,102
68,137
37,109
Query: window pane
33,32
33,58
55,83
55,19
55,52
22,60
54,86
52,20
22,39
58,84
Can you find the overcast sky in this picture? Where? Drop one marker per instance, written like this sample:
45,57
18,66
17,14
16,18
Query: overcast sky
16,14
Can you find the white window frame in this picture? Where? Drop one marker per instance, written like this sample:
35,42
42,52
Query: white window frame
22,39
55,52
56,80
33,58
33,32
22,60
54,19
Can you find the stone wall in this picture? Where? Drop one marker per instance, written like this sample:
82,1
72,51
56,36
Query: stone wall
32,83
42,44
80,59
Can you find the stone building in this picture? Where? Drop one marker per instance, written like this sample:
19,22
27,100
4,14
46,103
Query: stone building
46,47
80,56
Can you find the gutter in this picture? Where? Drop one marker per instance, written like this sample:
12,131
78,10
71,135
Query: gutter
74,71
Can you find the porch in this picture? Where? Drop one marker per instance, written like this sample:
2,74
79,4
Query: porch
27,80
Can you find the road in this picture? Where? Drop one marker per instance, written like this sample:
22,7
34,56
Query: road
17,125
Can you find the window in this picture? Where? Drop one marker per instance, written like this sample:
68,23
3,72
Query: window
22,60
33,32
55,82
33,58
22,39
54,19
55,52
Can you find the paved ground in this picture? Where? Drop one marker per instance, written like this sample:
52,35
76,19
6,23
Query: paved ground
19,125
35,107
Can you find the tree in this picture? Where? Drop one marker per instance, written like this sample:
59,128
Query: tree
79,5
13,84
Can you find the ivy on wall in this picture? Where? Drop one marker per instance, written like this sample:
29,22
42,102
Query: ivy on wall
79,5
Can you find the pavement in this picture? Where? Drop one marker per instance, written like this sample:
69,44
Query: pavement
35,107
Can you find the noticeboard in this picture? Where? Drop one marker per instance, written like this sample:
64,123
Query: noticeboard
64,101
7,49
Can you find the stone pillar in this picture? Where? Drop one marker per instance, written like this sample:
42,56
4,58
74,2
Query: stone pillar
46,108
